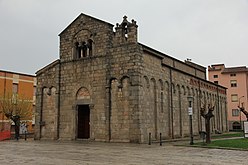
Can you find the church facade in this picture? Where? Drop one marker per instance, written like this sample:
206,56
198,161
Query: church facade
106,86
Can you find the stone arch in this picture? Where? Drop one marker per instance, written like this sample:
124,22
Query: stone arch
123,85
183,90
162,108
82,44
173,88
203,99
48,110
188,91
178,88
83,93
196,109
86,97
120,109
178,112
145,106
146,82
168,124
192,91
51,90
213,98
161,95
112,95
154,81
153,107
200,94
161,84
123,78
207,97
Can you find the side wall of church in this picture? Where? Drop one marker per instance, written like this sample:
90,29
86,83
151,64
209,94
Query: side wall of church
165,105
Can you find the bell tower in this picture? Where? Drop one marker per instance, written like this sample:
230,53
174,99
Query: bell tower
126,32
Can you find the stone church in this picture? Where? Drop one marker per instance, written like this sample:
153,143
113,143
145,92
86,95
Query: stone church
106,86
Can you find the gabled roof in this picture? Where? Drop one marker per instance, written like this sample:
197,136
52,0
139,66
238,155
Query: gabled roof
82,14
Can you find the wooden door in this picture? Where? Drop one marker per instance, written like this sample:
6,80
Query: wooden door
83,122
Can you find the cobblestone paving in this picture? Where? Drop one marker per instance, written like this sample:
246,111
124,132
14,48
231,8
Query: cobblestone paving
94,153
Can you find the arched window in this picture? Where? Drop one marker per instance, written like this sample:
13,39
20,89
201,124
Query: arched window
90,44
78,50
83,49
125,30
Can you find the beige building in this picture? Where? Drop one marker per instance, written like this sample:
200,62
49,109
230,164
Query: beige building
236,80
106,86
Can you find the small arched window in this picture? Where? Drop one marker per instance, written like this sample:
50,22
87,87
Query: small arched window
78,50
125,30
90,44
83,49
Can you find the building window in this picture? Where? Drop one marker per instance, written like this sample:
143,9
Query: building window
234,97
15,88
34,91
215,76
235,112
233,74
233,83
236,125
216,82
90,45
83,49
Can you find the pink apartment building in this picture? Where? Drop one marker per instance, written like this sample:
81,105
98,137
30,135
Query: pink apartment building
235,79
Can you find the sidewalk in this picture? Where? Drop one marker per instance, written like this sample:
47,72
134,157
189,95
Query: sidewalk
32,152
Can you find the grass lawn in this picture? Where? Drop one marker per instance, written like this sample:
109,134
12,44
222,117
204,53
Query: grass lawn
227,135
241,143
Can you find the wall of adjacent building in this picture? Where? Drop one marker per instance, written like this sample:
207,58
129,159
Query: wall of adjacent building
26,86
224,79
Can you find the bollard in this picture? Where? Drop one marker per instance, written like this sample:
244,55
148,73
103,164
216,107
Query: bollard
160,139
149,139
25,135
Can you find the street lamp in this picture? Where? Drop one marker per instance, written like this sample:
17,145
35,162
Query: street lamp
190,111
240,112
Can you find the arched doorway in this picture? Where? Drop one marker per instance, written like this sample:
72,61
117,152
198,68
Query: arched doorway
83,114
236,126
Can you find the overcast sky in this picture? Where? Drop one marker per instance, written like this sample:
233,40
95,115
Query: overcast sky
206,31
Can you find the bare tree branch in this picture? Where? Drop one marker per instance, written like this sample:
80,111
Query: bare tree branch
15,105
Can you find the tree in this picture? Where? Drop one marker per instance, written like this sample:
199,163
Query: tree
16,108
242,109
207,116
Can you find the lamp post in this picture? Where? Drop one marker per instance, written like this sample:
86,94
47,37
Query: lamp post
240,112
190,111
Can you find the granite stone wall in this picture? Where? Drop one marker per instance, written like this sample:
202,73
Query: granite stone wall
130,89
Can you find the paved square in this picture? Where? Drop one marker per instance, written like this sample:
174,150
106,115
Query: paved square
95,153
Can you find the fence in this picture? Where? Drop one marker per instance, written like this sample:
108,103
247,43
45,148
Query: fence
5,135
